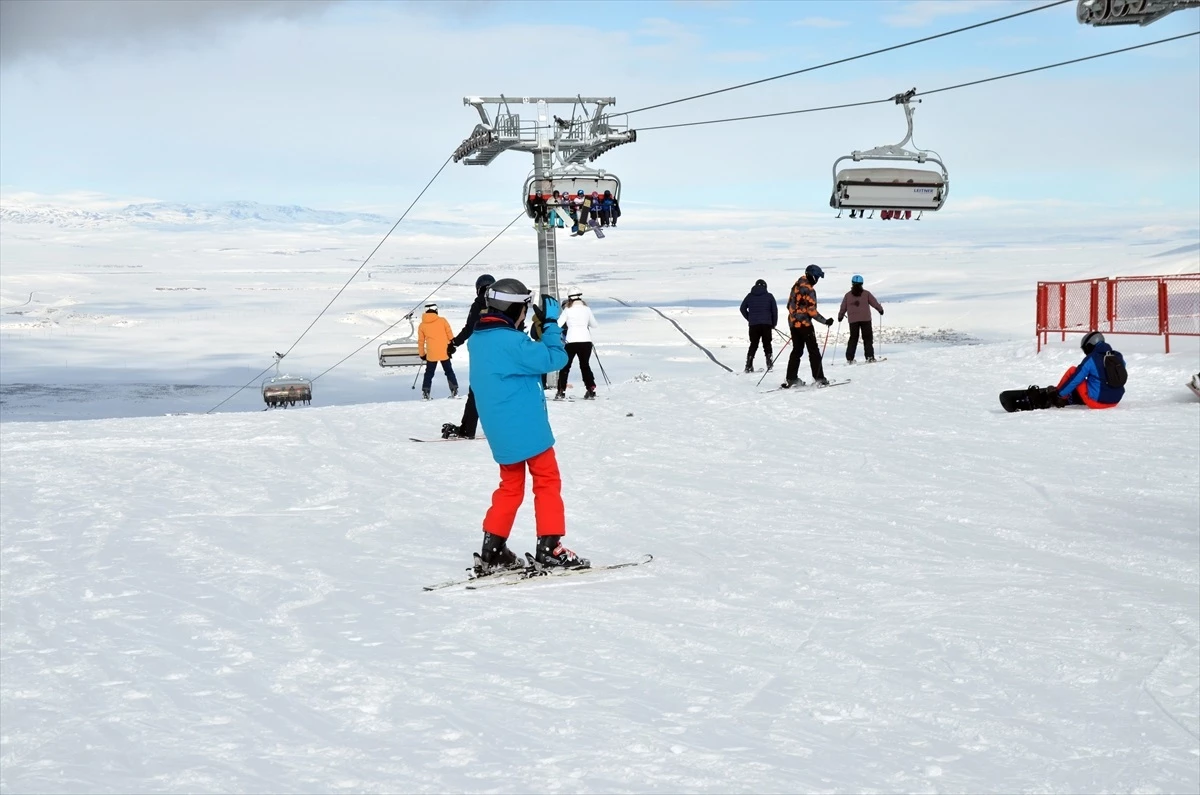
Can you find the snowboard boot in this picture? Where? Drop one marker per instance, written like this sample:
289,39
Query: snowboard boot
449,429
590,394
495,556
552,554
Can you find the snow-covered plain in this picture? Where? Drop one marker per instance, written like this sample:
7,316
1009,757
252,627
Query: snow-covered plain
889,586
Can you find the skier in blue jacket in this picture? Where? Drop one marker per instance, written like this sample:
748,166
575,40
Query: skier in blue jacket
762,313
506,371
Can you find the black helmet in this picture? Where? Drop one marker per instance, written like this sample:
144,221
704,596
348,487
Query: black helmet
761,283
483,282
508,296
1091,340
814,272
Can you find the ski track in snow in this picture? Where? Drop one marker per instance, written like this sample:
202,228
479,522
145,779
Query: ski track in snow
886,587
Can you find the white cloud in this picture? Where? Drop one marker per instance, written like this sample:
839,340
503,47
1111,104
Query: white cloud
924,12
738,56
78,27
819,22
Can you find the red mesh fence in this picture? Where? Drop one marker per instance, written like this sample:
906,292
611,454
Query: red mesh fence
1155,305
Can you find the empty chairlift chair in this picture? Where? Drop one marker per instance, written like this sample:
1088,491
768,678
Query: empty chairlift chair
403,352
894,191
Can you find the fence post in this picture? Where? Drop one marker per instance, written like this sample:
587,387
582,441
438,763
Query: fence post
1164,319
1039,320
1112,302
1094,310
1062,310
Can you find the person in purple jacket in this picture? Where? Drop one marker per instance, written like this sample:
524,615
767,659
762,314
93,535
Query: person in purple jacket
857,306
762,313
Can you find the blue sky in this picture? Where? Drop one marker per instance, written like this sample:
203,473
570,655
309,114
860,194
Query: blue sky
355,104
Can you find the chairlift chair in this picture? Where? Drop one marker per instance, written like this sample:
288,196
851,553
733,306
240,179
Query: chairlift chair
285,390
403,352
896,190
569,181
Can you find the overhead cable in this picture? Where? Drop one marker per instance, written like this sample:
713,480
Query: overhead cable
925,93
847,60
267,369
421,303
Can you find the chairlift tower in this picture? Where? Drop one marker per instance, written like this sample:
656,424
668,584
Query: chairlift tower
560,148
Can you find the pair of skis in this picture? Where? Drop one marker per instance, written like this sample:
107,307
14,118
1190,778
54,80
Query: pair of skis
531,572
808,387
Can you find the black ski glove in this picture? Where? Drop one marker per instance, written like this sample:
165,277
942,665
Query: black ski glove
828,321
451,348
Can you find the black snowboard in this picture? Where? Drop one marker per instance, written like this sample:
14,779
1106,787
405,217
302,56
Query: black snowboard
1029,399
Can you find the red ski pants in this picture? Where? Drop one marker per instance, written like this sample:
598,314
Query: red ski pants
549,512
1081,394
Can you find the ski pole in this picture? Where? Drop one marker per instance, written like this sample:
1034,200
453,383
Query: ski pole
596,353
826,342
881,334
415,377
837,338
771,363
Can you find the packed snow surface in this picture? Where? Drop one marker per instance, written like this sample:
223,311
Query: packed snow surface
890,586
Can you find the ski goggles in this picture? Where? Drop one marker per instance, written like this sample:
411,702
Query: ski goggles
512,298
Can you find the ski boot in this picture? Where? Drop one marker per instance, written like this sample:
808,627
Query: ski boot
551,554
821,382
560,395
424,394
590,394
750,364
453,391
495,556
871,359
791,382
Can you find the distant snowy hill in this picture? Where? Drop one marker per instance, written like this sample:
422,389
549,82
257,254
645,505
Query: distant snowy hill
175,215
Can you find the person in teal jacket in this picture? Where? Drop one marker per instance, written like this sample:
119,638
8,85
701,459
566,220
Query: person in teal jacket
506,371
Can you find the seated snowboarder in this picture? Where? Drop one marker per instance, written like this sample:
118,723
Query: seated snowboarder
1097,382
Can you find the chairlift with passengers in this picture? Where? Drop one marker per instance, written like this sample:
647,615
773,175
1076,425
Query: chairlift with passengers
402,352
285,390
894,191
573,185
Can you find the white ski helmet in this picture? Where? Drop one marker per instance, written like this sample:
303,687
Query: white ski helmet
509,296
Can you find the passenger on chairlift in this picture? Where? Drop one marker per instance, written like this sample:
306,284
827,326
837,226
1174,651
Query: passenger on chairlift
539,210
606,208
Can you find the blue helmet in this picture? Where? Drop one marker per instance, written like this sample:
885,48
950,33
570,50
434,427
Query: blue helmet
856,279
814,272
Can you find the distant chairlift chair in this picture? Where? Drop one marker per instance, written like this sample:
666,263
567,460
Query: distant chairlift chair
568,181
285,390
403,352
895,192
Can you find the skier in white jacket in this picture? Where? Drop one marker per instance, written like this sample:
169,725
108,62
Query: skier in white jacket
577,322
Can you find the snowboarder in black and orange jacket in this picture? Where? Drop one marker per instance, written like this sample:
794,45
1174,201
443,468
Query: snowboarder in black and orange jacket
802,312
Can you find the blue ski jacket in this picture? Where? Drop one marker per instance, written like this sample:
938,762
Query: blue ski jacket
759,307
506,375
1091,372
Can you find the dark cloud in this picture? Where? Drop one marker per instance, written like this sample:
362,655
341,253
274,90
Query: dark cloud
74,28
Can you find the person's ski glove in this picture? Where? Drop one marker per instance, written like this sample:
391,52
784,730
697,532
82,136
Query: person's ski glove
828,321
840,318
451,348
549,314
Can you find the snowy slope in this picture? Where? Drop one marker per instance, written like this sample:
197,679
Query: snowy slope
890,586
